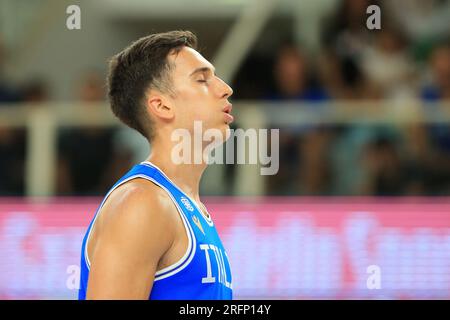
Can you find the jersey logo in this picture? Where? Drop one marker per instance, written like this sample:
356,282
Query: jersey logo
198,223
187,204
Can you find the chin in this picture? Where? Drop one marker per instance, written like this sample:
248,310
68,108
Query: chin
226,132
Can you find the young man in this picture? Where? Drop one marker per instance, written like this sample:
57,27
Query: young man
151,237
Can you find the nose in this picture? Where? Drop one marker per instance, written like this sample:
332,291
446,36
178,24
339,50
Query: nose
225,90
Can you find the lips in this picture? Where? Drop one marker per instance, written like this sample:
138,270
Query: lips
227,110
228,118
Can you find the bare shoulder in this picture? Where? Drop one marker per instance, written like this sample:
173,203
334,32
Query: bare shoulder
140,211
139,195
133,232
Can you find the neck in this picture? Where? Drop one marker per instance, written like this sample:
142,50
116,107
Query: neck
185,176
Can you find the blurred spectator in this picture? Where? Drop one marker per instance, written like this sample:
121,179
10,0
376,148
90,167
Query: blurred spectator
85,153
420,160
385,174
302,156
438,85
12,143
387,65
349,168
7,93
293,79
253,81
423,22
12,158
91,87
129,148
35,91
345,29
344,78
437,88
315,171
345,39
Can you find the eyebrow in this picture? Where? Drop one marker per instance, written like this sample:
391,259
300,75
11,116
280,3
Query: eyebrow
202,69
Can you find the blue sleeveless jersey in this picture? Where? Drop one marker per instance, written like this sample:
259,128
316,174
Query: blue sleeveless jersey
202,273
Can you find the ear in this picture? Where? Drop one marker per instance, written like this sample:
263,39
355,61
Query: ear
159,106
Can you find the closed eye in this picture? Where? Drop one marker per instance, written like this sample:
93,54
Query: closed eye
203,82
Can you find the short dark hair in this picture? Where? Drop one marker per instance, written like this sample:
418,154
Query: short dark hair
139,67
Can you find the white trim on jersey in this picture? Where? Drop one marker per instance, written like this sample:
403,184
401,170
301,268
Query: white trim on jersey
208,220
182,263
86,256
176,267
